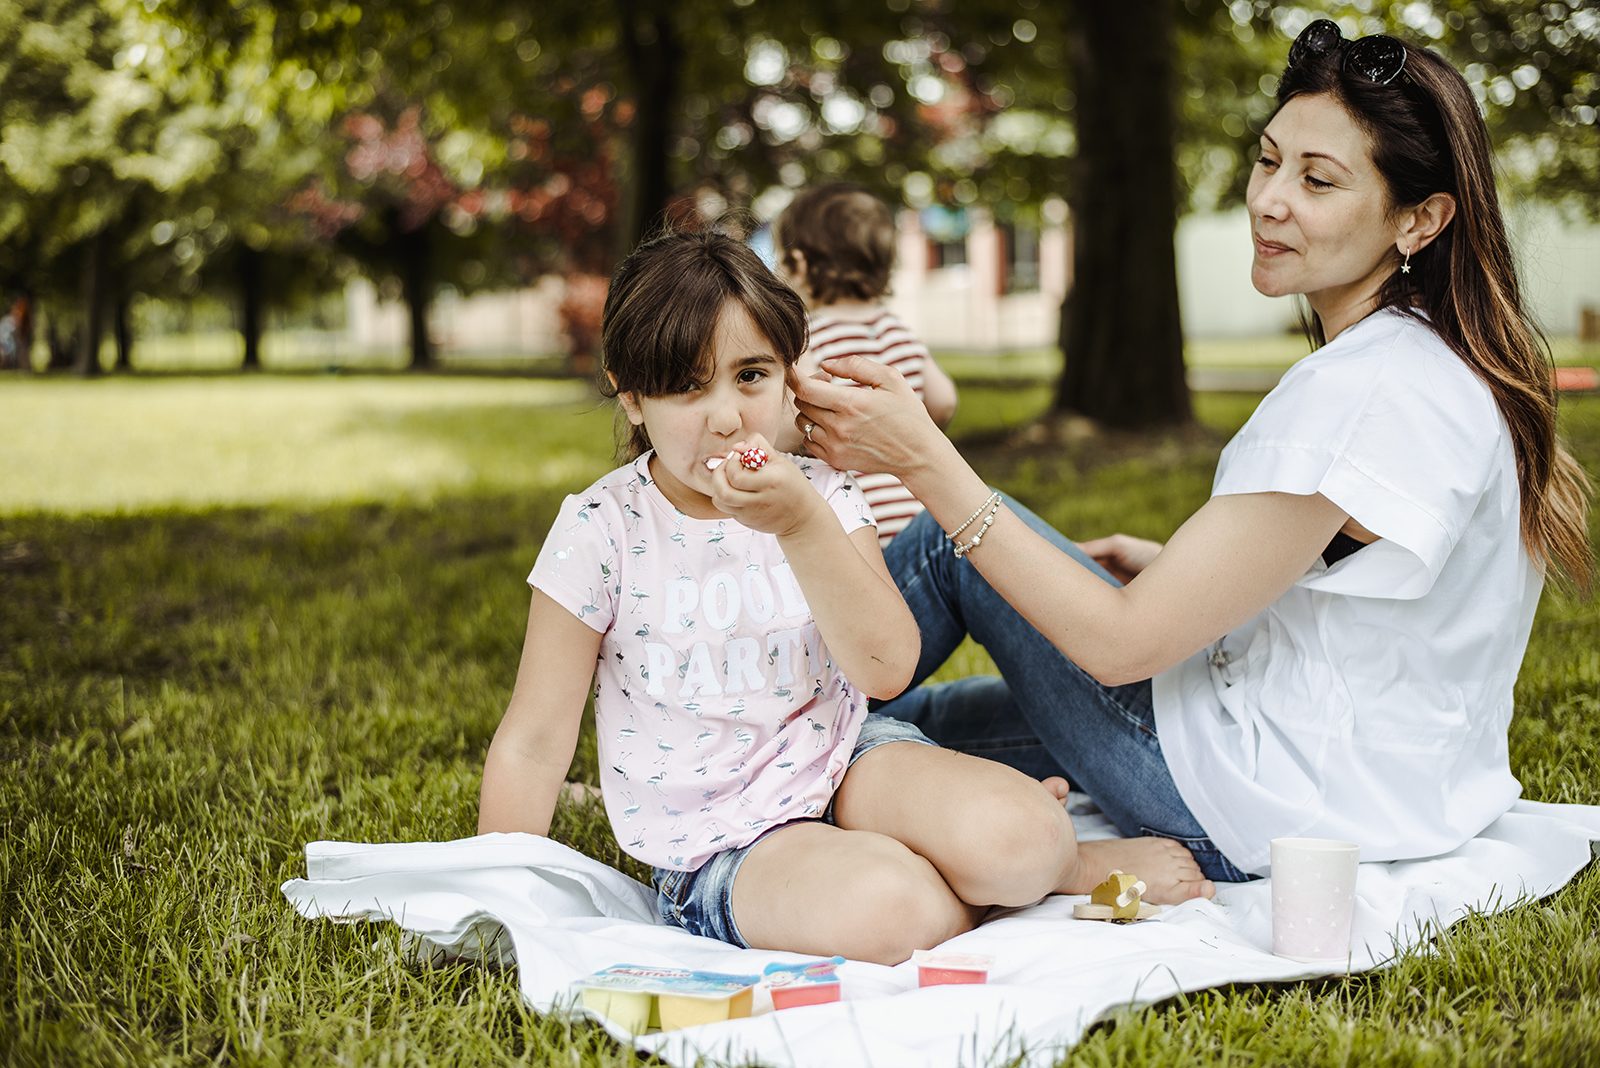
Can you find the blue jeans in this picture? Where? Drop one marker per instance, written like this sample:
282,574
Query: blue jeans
1044,715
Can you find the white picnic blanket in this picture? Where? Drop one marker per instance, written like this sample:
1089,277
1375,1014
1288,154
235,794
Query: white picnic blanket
561,915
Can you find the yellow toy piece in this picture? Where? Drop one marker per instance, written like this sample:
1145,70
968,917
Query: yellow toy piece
1121,893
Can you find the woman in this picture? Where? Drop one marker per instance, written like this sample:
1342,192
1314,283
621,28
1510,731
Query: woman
1328,646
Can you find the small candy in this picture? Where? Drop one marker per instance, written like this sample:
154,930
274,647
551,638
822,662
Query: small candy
753,459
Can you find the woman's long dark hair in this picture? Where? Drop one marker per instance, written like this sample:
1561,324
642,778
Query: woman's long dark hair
1428,137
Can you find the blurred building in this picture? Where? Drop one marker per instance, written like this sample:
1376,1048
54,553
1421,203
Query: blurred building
967,282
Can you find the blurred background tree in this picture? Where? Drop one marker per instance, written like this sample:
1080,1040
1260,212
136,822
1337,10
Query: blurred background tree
266,151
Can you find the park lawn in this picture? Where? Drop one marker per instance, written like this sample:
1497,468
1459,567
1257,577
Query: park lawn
197,676
310,351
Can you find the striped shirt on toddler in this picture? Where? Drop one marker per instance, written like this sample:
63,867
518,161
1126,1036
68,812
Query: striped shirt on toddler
886,339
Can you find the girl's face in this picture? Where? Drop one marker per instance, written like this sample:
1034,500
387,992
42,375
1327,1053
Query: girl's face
745,396
1319,210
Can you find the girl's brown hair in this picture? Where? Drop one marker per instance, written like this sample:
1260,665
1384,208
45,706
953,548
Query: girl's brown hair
847,238
662,310
1428,137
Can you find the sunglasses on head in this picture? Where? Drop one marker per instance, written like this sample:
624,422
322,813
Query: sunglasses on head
1380,58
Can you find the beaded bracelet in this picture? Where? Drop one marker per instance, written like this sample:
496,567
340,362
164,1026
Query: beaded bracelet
988,503
964,548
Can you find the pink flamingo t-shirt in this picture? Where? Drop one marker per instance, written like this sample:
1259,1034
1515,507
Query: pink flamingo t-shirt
718,711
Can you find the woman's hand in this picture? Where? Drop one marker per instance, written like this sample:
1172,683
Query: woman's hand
1122,555
775,499
878,424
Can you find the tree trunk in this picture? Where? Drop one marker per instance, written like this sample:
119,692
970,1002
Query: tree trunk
249,279
26,329
1120,330
63,346
91,298
416,283
122,331
655,57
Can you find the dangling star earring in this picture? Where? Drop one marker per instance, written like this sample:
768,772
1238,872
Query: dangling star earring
1405,268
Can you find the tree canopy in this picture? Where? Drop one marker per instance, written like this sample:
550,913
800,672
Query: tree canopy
251,148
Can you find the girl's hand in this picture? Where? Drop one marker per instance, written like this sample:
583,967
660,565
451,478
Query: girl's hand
776,499
1122,555
879,424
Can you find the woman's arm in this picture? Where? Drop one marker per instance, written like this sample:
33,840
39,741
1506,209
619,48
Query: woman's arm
1123,555
1231,559
533,746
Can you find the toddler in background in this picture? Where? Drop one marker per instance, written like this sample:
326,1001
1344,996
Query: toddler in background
836,246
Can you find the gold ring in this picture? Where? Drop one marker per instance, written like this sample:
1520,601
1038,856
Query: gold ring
809,428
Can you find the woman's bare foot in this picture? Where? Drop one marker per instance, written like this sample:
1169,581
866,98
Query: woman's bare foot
1168,870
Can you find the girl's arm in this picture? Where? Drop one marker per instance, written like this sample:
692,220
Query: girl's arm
1233,557
533,746
870,632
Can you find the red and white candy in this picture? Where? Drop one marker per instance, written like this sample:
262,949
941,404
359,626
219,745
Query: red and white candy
753,459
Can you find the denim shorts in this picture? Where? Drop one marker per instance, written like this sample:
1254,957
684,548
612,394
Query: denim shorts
701,901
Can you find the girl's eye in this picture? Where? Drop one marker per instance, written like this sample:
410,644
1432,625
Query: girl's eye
1267,161
750,375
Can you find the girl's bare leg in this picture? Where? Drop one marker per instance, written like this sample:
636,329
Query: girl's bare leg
812,888
996,835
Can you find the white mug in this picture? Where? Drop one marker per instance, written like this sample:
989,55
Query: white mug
1313,898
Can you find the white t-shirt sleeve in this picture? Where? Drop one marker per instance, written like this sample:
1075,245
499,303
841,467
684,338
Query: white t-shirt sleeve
841,491
1404,441
577,565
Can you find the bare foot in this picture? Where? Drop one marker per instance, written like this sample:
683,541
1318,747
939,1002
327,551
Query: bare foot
1168,870
1059,788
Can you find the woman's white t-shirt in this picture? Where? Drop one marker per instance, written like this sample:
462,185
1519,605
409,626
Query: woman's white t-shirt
1371,701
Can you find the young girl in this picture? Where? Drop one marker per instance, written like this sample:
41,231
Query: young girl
741,616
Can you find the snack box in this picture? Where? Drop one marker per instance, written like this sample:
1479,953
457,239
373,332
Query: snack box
938,968
812,982
637,998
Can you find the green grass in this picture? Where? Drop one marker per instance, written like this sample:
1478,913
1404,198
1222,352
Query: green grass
242,614
324,350
1263,352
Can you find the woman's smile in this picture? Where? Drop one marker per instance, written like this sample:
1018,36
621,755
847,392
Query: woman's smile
1267,249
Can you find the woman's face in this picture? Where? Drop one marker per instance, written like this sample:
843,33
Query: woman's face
1319,211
